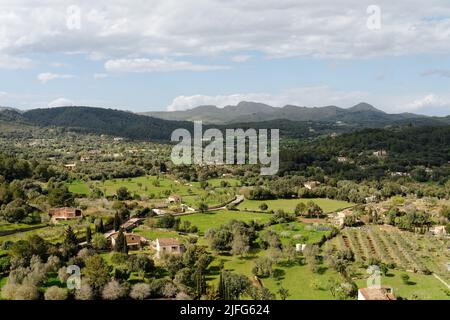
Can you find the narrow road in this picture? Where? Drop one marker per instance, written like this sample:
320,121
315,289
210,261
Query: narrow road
236,201
441,280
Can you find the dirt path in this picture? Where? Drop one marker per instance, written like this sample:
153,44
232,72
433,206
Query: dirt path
441,280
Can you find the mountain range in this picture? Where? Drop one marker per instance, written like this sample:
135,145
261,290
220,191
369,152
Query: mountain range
293,121
362,113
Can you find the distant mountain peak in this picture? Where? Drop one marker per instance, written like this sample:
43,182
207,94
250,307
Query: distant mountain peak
363,106
254,106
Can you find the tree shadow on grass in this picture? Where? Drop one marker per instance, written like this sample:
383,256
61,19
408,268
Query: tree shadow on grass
278,274
248,257
321,270
214,270
288,264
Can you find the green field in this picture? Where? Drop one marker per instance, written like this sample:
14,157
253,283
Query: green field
153,233
423,287
51,233
288,205
298,279
4,226
214,219
79,187
158,187
297,232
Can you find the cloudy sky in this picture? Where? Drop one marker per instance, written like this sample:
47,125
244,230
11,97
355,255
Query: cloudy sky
145,55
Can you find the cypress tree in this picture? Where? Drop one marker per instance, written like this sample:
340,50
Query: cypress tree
88,234
200,283
121,243
117,222
221,287
70,243
70,237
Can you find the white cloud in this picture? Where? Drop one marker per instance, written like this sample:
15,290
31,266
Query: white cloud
48,76
57,64
430,101
241,58
11,62
98,76
156,65
60,102
118,28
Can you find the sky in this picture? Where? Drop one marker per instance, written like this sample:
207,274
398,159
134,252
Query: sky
149,55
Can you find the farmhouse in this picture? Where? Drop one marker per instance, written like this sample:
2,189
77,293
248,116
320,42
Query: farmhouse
167,245
174,199
438,231
370,199
380,153
64,214
376,293
160,212
70,166
311,184
134,241
131,224
340,217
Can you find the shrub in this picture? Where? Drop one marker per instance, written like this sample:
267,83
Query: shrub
55,293
113,291
84,293
26,292
140,291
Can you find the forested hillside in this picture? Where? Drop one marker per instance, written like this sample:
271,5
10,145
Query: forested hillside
105,121
370,153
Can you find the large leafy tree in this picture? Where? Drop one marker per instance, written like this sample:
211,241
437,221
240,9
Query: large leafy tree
60,196
96,273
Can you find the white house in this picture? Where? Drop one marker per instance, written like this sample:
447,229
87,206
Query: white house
311,184
174,199
438,231
167,245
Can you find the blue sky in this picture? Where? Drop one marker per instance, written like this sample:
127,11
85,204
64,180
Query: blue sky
167,55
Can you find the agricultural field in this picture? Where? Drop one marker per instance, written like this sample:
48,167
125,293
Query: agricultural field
51,233
298,232
6,226
159,187
152,186
391,246
211,198
154,233
418,287
288,205
301,282
213,219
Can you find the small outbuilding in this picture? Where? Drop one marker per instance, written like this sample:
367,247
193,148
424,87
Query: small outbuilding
376,293
66,213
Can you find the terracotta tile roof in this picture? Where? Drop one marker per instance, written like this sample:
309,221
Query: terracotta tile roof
164,242
383,293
